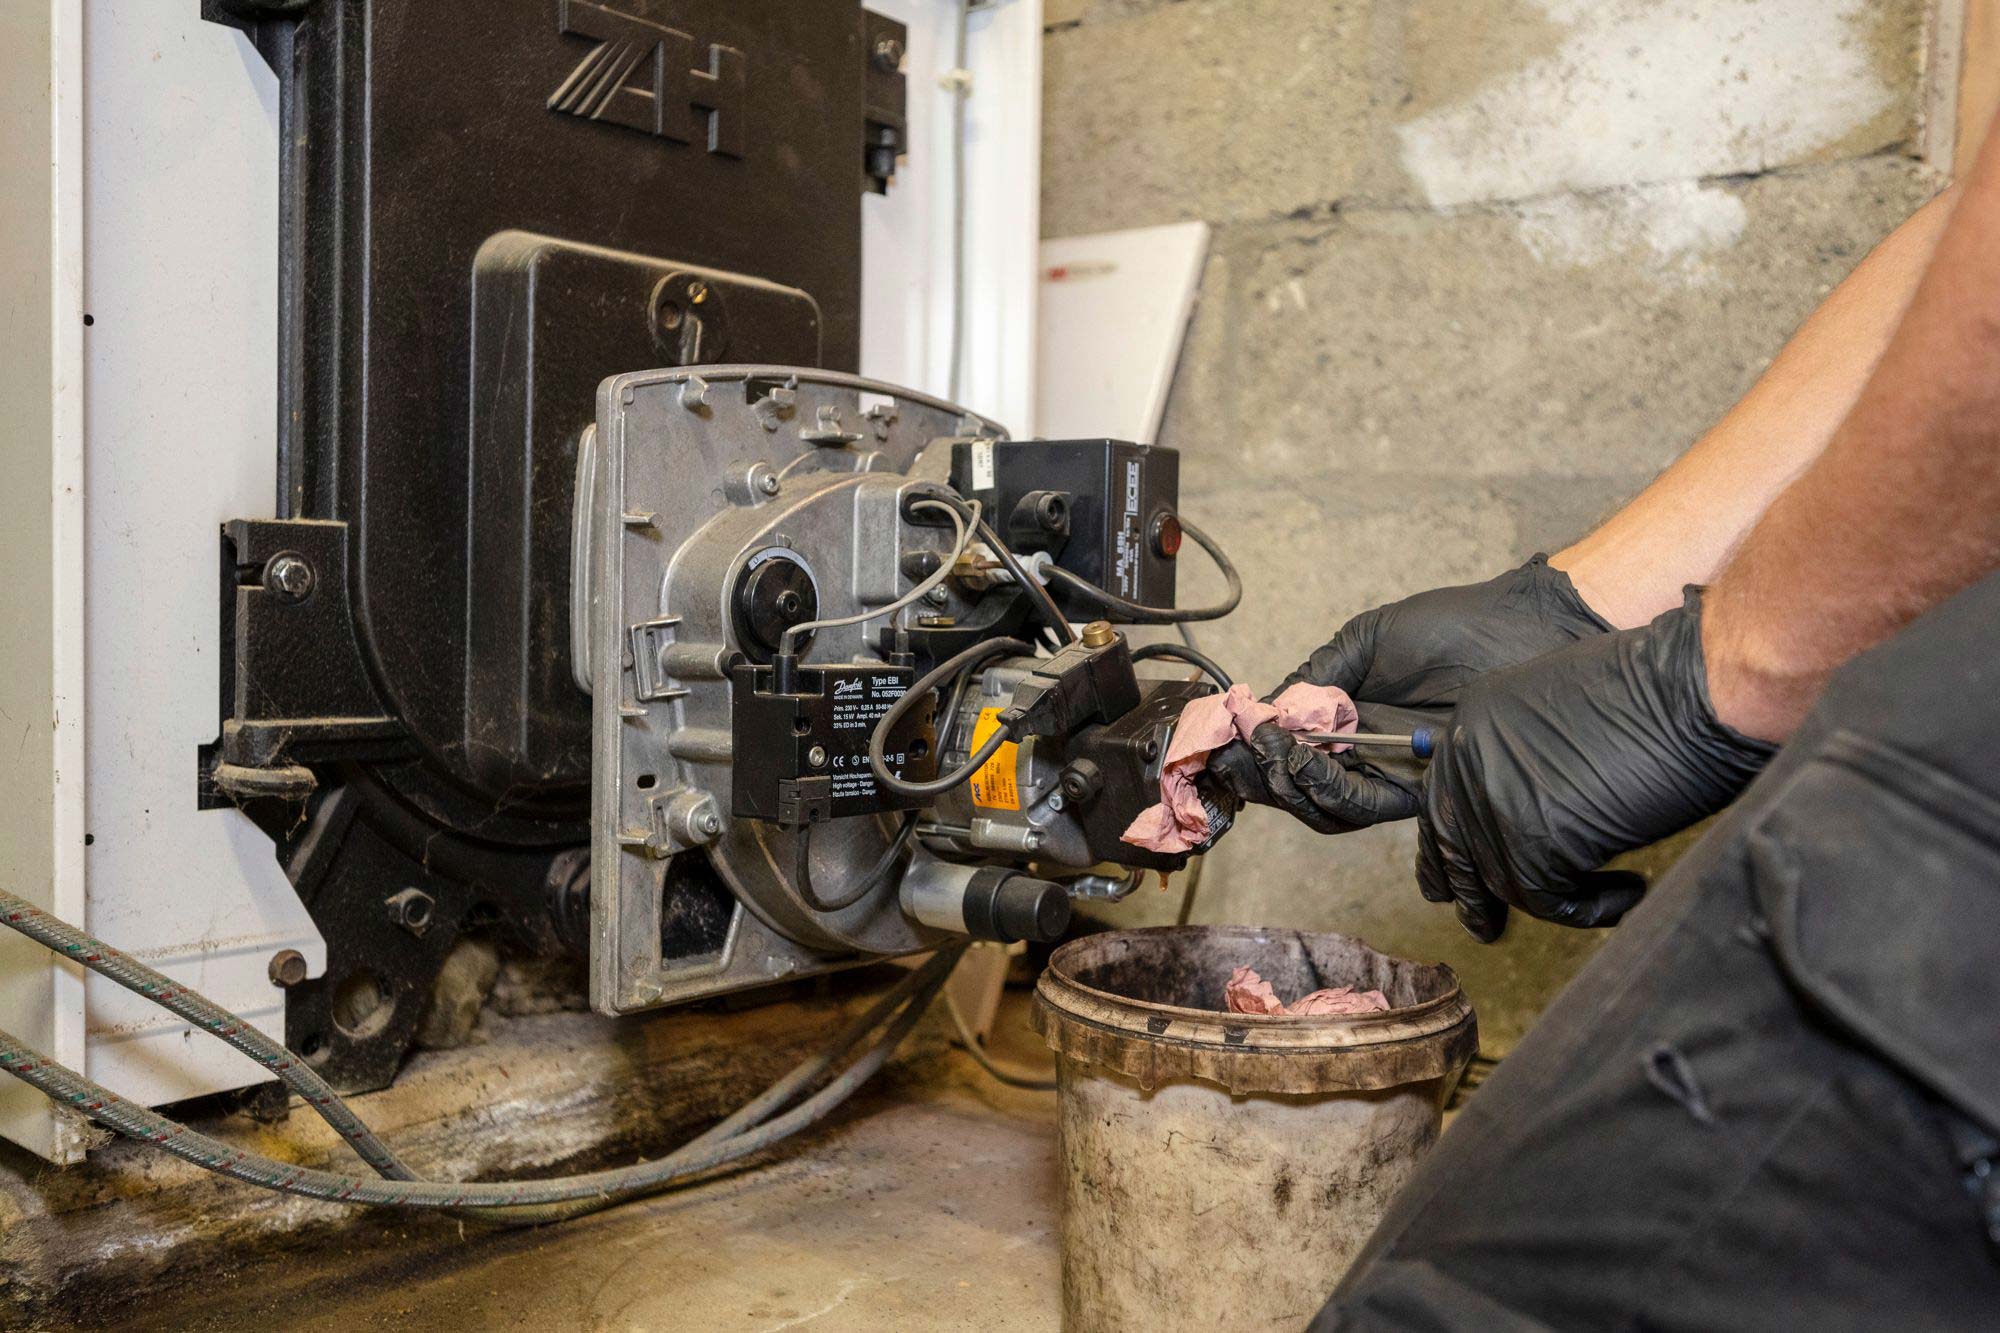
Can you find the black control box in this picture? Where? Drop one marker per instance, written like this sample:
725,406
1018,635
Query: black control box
1112,772
1105,510
802,758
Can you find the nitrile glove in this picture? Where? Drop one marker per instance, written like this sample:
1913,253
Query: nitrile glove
1404,665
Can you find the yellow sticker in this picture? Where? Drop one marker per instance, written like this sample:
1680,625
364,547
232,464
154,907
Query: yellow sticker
993,785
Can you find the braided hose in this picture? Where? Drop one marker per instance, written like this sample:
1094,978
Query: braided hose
750,1129
596,1188
136,977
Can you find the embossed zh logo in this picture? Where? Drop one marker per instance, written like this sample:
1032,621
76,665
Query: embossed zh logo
642,75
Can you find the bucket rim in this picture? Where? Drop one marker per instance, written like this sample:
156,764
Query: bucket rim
1157,1042
1314,1022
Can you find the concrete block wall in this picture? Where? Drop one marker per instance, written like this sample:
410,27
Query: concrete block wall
1481,268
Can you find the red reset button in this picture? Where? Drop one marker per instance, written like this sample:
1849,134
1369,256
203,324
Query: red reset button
1166,535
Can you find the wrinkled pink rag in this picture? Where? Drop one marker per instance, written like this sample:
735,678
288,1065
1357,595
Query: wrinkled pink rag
1178,823
1248,993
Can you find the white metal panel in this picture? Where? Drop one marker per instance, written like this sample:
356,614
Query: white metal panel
181,261
41,541
1114,312
906,302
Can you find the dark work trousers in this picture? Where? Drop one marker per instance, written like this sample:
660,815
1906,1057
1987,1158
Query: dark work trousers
1770,1101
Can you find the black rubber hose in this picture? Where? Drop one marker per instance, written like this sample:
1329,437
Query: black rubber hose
1044,603
1181,653
1037,594
802,878
961,662
1132,613
802,868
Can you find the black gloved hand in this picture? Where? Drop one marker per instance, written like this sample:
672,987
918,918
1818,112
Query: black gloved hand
1551,768
1404,665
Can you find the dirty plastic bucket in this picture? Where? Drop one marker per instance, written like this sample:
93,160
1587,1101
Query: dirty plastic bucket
1222,1170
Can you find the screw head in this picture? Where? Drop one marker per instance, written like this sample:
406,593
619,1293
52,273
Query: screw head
816,756
289,576
710,823
1098,634
937,596
288,968
888,55
697,291
768,483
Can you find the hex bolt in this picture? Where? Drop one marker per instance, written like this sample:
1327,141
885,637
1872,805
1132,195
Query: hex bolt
1080,780
288,968
411,909
816,756
289,576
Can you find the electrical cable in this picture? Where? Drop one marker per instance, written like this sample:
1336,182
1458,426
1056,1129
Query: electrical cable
1052,616
961,662
1012,1078
802,868
1136,614
1193,883
1182,653
723,1144
965,520
802,864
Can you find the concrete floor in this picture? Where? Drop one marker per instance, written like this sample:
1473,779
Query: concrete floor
929,1205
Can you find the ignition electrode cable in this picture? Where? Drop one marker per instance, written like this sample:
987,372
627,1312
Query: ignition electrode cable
964,516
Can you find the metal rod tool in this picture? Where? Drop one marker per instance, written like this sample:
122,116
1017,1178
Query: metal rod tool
1422,742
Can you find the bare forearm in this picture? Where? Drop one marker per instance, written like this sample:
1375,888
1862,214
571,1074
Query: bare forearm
1682,528
1901,511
